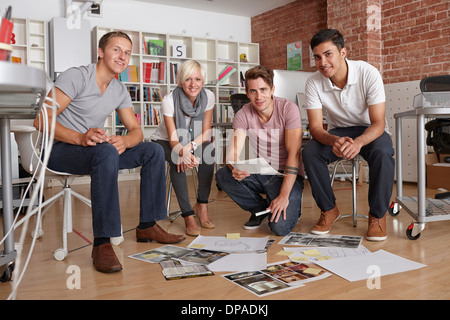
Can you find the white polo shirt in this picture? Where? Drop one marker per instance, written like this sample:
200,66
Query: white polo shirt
349,106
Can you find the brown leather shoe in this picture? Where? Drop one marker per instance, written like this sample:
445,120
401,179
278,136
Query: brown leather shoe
326,220
105,259
377,229
156,233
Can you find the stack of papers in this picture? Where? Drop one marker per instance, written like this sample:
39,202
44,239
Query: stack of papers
345,256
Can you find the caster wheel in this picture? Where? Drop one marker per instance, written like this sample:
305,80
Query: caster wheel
18,246
7,274
117,240
409,233
38,232
394,209
60,254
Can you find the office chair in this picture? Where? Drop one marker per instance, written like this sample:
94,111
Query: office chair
238,100
435,83
438,83
355,163
31,162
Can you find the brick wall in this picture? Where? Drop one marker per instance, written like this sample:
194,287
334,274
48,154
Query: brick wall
416,39
297,21
405,39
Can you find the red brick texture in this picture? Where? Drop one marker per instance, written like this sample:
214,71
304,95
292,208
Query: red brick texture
405,39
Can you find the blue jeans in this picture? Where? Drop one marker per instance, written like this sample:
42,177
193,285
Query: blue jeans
102,162
247,194
379,155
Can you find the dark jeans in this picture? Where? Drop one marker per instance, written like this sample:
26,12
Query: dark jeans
179,182
379,155
102,162
247,194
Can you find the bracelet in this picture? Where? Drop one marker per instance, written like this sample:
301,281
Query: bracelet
291,170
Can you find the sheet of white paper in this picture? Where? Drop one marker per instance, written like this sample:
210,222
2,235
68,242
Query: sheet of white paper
243,244
361,267
240,262
255,166
441,164
332,252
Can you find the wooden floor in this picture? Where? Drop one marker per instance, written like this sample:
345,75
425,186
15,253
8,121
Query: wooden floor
47,278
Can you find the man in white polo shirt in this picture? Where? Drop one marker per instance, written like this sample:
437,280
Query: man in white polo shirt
352,93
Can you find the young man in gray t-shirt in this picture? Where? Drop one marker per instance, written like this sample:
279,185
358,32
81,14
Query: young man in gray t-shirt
86,96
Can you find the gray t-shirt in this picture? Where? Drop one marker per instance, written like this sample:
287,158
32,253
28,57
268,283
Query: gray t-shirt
89,108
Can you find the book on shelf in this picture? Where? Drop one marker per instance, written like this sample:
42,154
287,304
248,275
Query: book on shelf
130,74
154,72
225,75
121,131
173,69
223,114
152,116
118,122
152,94
145,44
224,95
16,59
224,72
162,72
134,93
156,47
138,117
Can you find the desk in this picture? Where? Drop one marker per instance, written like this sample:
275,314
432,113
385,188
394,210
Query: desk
22,93
420,208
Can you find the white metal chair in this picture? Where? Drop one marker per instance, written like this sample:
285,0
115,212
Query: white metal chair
30,159
354,179
171,216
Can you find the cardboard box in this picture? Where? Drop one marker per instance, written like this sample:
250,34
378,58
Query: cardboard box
438,172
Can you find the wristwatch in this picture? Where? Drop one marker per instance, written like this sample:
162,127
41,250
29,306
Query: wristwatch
194,146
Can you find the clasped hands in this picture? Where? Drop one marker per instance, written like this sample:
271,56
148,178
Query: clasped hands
346,147
97,135
186,159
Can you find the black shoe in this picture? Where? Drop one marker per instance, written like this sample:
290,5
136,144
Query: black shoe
255,222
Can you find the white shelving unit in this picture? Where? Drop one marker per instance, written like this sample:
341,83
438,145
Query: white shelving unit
30,42
213,54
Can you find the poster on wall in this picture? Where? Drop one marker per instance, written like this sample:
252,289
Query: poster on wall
294,56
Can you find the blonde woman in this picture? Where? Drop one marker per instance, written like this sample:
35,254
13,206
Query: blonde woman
185,133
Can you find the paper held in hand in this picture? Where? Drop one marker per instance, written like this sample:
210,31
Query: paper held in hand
255,166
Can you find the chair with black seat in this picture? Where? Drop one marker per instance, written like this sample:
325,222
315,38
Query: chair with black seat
438,137
238,100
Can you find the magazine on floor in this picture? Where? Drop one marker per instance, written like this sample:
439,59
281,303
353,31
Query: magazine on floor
174,269
277,277
327,240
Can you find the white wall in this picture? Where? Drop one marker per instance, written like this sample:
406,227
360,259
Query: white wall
135,15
